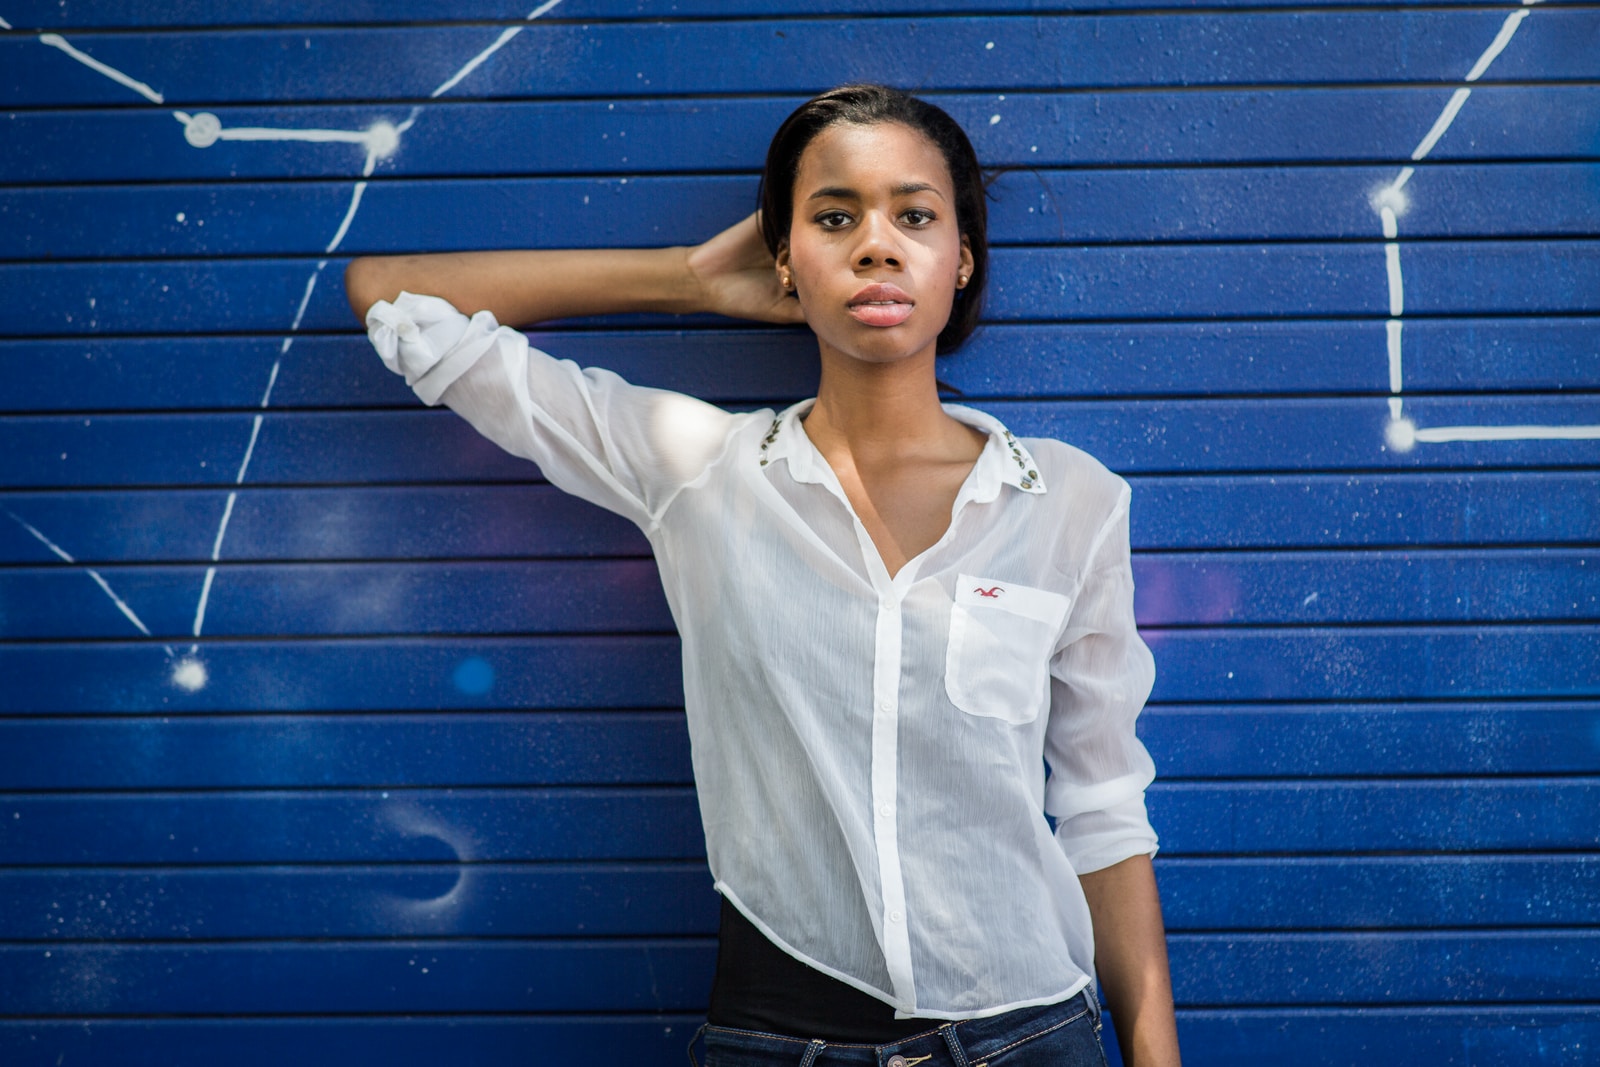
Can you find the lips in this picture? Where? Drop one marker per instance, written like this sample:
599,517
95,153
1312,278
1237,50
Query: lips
881,304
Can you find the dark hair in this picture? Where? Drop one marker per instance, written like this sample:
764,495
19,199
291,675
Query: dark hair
868,105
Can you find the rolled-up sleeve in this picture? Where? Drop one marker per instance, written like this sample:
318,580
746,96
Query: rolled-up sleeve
625,447
1100,678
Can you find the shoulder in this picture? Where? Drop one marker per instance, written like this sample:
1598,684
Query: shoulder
1077,476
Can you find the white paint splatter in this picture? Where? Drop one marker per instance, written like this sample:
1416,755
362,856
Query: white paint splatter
190,674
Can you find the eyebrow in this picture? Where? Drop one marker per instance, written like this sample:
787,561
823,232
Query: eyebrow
839,192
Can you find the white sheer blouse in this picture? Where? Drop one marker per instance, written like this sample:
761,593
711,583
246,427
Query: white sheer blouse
874,756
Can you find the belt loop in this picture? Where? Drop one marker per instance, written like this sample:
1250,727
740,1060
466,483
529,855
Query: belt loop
694,1041
1093,998
956,1052
812,1051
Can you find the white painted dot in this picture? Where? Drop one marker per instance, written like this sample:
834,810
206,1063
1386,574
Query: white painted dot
1033,148
1401,434
189,674
1387,196
202,130
181,216
383,139
993,119
989,47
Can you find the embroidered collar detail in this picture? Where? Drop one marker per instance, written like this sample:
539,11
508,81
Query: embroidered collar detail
1019,469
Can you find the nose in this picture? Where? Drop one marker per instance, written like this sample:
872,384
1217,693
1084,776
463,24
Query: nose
877,242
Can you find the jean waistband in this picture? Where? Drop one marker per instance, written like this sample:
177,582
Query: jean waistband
962,1043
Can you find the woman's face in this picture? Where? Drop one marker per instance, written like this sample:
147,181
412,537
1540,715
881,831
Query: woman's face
873,247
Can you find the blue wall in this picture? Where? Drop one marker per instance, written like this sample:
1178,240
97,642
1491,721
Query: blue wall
418,792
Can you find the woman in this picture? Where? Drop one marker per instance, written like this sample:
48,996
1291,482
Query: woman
894,613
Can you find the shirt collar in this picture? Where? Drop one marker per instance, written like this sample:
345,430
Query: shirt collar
1004,460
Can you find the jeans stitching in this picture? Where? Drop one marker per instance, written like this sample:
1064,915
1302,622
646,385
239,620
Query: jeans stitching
1037,1034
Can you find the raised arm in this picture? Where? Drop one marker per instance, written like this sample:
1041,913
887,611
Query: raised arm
730,274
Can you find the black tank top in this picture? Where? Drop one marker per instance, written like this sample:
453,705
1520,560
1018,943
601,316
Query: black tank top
760,987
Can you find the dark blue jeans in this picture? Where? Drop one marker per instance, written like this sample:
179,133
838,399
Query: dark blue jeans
1057,1035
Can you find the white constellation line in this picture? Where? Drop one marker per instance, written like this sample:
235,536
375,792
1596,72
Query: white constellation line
383,139
202,130
1390,203
105,586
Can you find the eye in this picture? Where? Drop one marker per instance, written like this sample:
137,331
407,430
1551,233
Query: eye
918,217
833,220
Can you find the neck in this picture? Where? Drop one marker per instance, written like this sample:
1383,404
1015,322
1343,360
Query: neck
879,408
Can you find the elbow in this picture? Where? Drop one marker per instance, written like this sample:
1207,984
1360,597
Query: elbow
364,285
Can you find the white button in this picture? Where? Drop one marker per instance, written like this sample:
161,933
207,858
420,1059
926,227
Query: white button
886,705
886,810
895,916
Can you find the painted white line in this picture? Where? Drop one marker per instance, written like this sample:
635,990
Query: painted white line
4,25
55,40
477,61
1436,434
1390,203
1498,45
1441,124
105,586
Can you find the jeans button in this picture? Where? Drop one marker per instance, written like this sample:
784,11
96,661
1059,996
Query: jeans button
896,1061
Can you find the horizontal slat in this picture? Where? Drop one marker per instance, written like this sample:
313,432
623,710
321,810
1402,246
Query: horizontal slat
1386,968
1157,436
1377,663
397,1041
1199,665
1322,740
1440,815
355,976
548,900
1484,1037
400,900
381,522
1159,282
731,133
1000,361
366,522
1484,508
456,748
76,14
429,825
345,598
363,674
647,748
1033,207
1370,892
674,975
563,597
1002,53
364,826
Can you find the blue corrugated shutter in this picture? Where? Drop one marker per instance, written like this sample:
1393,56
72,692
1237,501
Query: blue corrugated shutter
330,734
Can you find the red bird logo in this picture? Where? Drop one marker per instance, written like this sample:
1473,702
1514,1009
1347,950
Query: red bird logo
992,591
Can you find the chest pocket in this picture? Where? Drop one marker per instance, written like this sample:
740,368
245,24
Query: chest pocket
997,663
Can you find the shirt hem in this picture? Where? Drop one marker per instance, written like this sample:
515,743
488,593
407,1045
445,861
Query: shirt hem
899,1011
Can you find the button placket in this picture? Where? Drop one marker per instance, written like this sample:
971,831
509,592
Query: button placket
885,784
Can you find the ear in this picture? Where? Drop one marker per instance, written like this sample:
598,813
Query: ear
780,263
967,262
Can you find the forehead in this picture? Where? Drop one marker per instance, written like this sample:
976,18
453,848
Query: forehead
862,157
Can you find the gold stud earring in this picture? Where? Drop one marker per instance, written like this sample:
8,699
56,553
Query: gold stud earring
961,279
787,282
